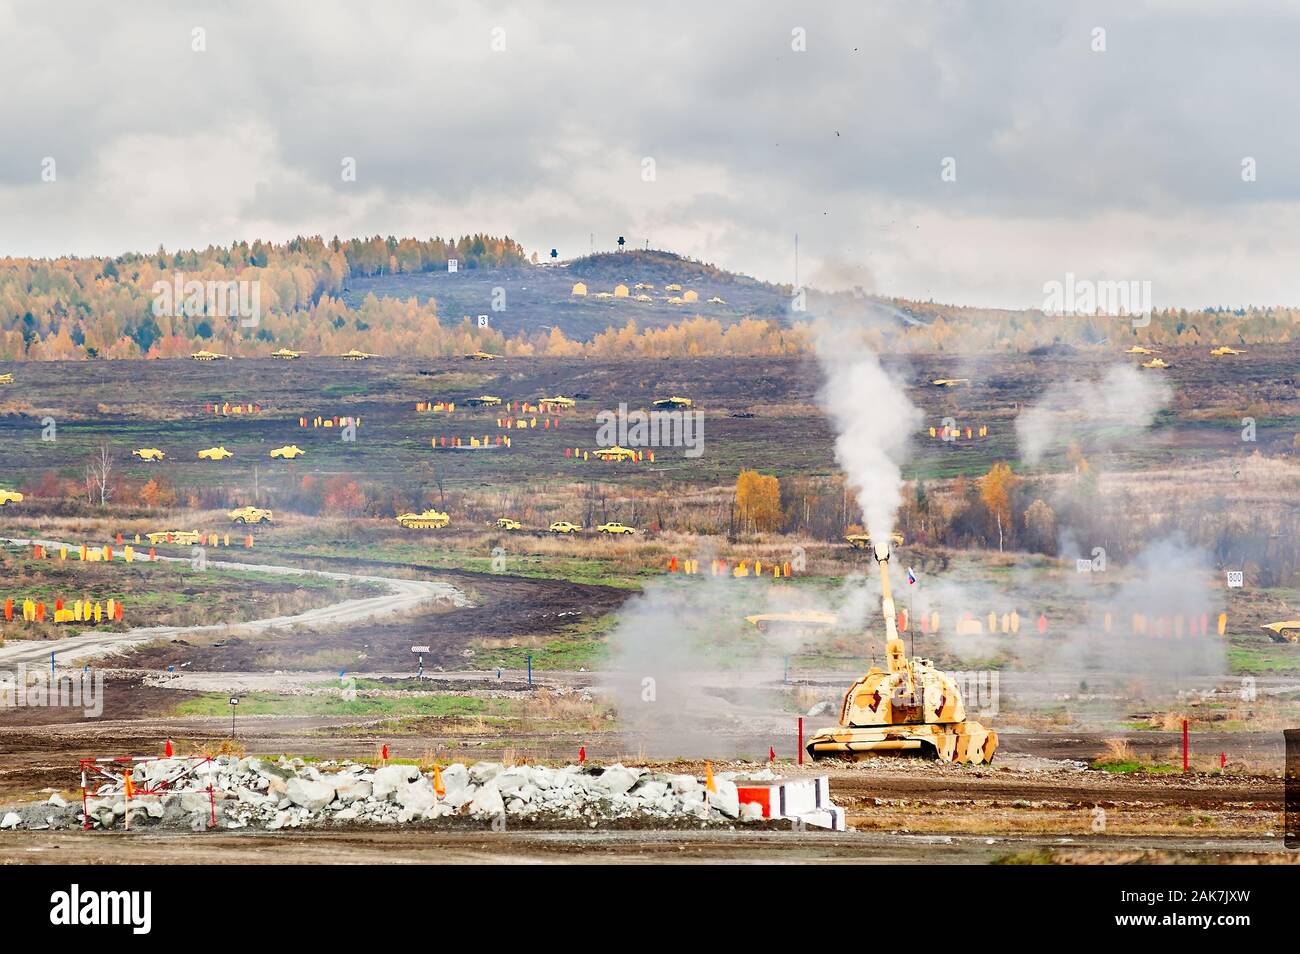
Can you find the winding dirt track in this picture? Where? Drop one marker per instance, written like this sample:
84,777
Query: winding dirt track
399,596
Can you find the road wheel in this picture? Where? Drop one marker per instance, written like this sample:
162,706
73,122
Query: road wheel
240,520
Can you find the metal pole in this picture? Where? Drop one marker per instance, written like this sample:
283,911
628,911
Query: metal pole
530,669
911,620
801,740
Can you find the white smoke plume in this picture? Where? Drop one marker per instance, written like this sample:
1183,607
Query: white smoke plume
1170,585
689,676
1099,413
873,417
669,653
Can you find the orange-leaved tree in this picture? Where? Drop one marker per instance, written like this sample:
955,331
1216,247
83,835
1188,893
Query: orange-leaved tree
758,502
996,488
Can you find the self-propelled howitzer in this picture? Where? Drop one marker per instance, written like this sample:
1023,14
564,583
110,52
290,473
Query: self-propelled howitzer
909,708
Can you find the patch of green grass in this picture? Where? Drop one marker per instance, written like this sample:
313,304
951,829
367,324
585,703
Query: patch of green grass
1037,856
269,703
342,389
441,556
1123,768
402,685
581,646
1271,658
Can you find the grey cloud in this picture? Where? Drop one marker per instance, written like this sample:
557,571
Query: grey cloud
1067,159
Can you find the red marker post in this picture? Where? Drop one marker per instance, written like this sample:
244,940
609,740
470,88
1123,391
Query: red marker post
1184,746
801,740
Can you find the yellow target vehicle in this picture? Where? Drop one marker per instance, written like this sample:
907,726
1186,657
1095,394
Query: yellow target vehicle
250,515
424,520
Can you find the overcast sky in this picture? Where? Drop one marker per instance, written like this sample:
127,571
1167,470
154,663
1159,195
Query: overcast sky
1117,165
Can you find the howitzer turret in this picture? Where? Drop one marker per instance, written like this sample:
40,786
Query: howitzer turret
908,708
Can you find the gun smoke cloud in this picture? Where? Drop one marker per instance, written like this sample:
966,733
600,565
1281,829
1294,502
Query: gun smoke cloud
873,418
1099,413
689,676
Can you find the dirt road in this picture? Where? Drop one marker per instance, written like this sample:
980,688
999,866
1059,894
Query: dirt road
425,846
400,595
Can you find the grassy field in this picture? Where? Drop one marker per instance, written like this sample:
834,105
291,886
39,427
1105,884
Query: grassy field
581,646
782,430
273,704
159,593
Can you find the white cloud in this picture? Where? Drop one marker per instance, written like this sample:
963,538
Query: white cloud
1117,165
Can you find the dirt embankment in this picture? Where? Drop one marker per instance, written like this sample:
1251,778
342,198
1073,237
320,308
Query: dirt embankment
507,608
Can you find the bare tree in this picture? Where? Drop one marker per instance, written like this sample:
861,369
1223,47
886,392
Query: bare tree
99,472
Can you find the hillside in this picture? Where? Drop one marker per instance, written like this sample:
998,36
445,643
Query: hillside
395,296
540,297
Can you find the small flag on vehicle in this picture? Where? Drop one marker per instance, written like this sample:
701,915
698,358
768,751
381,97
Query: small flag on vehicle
911,577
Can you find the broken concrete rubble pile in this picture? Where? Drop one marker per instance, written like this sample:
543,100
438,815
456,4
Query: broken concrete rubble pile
289,793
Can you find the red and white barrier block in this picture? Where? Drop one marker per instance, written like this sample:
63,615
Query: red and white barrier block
802,800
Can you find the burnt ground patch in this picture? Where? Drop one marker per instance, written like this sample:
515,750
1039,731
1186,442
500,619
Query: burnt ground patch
509,608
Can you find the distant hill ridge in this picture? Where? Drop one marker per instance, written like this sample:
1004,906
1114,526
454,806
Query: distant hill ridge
389,295
660,267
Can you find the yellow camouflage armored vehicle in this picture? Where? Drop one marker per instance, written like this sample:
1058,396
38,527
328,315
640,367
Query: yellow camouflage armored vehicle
483,400
1287,631
250,515
615,453
288,452
286,354
949,382
673,403
910,708
10,496
6,379
425,520
182,537
1224,351
148,453
215,453
481,356
209,356
862,541
1138,349
355,355
805,622
1156,364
